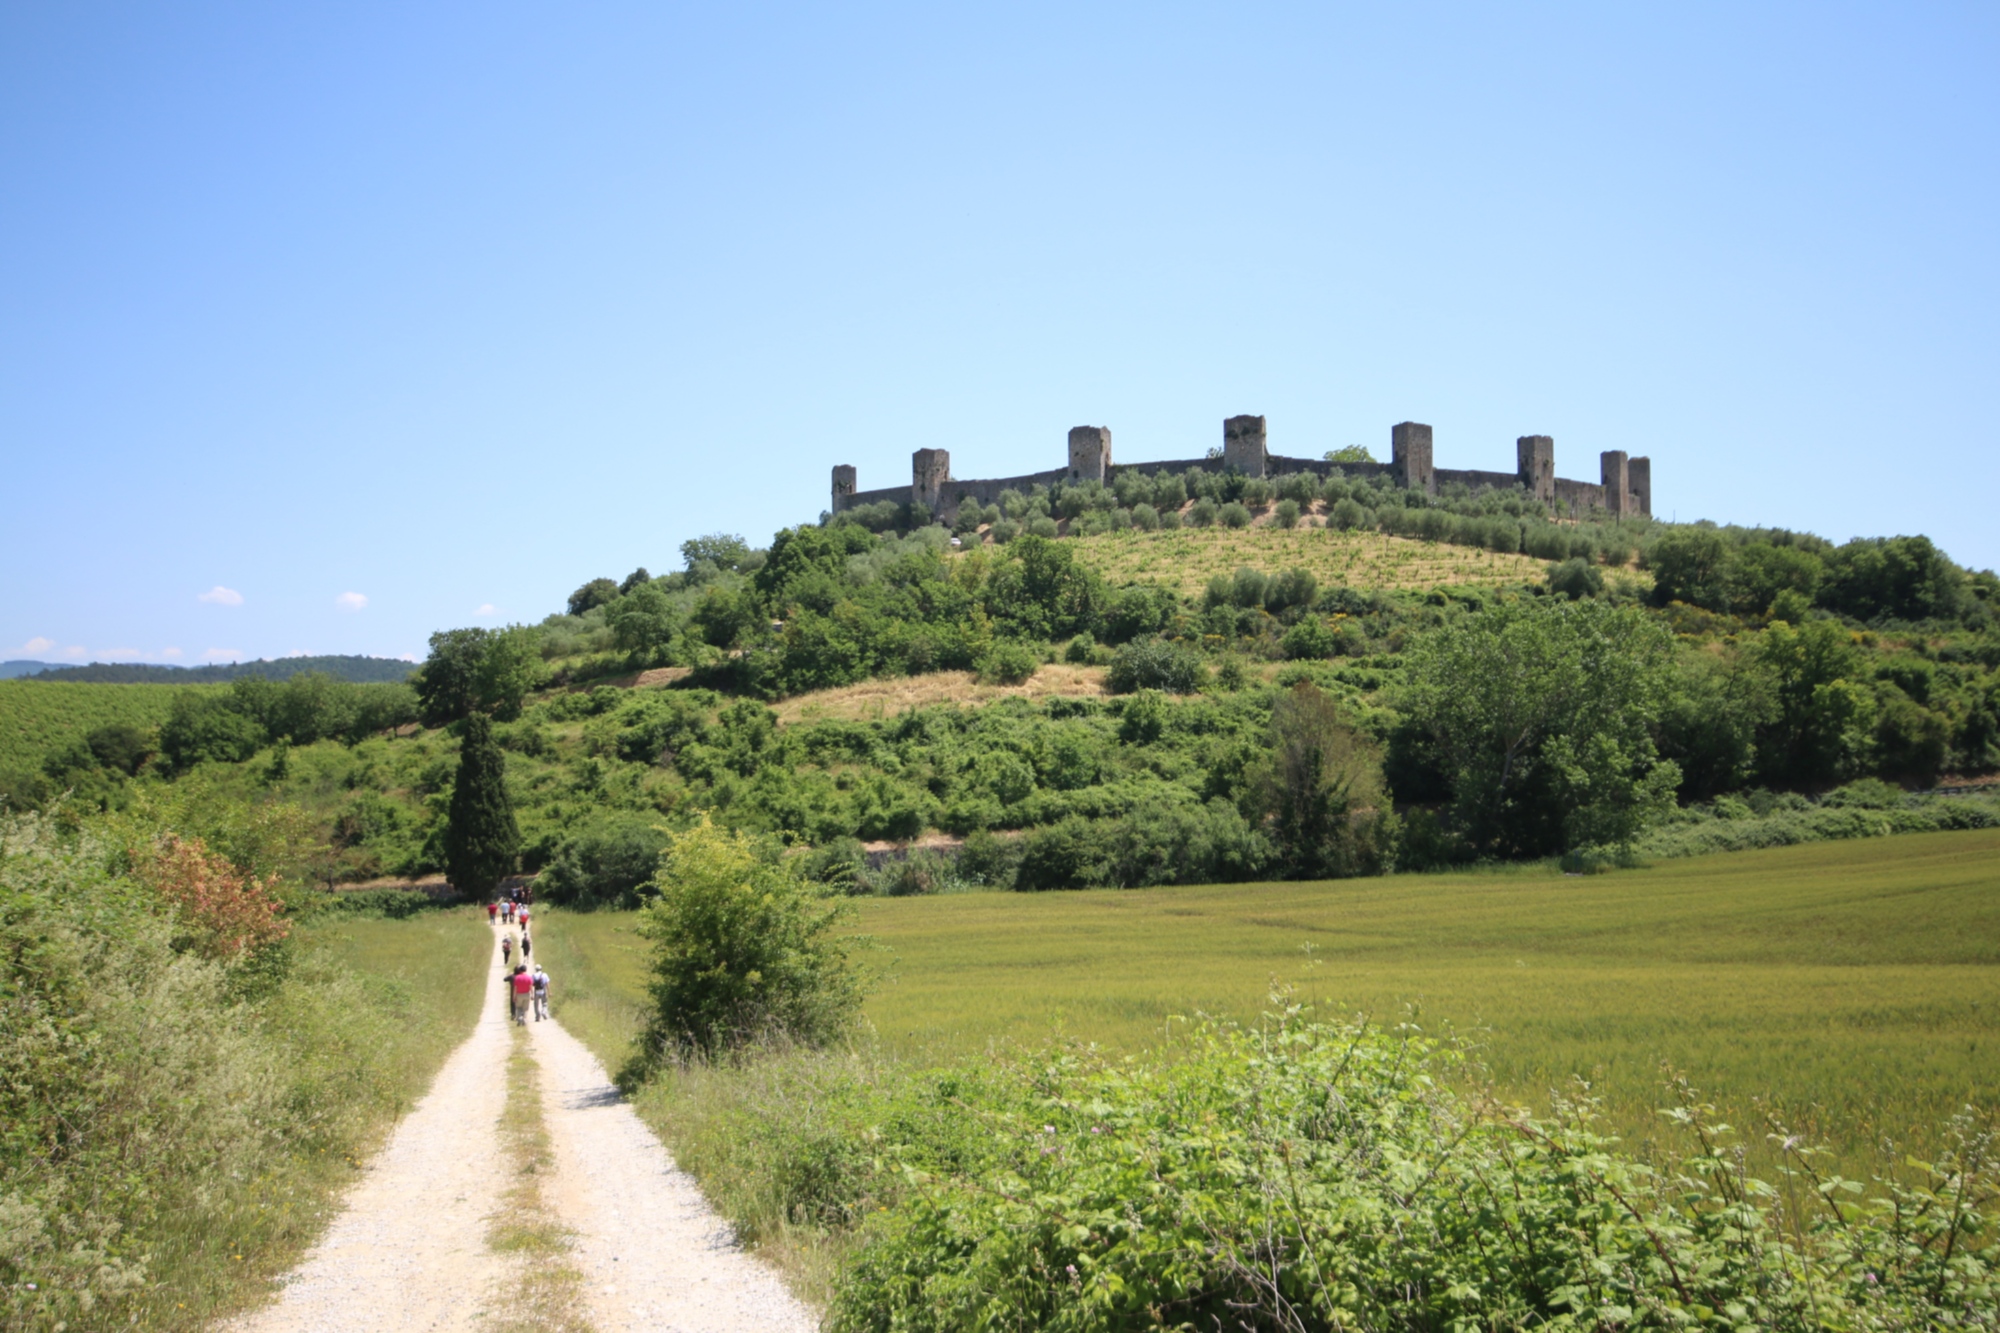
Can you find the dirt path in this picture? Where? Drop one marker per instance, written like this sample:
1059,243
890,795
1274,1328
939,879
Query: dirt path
653,1254
408,1253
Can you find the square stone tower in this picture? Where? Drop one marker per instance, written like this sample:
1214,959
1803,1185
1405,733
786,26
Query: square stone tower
1243,445
1410,456
1090,453
1639,472
1617,483
930,469
1537,466
843,485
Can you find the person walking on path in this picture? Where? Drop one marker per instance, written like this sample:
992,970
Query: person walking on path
521,987
492,912
506,950
522,916
541,993
527,946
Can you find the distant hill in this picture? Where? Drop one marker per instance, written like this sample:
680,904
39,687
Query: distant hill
359,669
9,670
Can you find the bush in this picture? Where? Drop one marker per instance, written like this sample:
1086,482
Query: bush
1287,514
1201,513
1080,649
1042,526
1575,579
1161,1192
1233,515
603,866
743,950
1309,639
1145,517
1156,664
1008,662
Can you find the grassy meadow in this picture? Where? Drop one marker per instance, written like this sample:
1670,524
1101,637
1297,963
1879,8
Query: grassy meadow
1185,559
1854,985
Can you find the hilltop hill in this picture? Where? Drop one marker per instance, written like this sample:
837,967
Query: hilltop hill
9,670
360,670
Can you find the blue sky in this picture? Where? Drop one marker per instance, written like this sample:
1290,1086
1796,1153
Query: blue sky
326,326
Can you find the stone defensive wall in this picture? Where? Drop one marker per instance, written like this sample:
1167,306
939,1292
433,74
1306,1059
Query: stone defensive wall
1624,488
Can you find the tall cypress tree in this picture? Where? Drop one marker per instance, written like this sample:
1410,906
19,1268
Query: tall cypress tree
481,838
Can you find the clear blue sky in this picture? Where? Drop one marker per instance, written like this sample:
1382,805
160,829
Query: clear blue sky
443,309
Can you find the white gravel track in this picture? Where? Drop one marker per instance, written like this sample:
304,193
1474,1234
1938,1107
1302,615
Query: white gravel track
654,1255
408,1253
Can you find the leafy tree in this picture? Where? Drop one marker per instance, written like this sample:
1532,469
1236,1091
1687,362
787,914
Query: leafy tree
633,580
604,865
1824,714
1710,722
478,670
743,949
1762,572
1689,565
1041,592
481,839
646,622
1321,789
597,592
1899,578
120,746
1352,453
1541,715
204,727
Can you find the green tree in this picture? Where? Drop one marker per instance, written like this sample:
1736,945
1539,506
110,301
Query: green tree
205,727
1900,578
481,839
1351,453
1541,718
597,592
1821,731
645,622
478,670
1689,565
743,949
1321,790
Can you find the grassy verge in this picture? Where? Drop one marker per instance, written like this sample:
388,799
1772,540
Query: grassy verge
545,1292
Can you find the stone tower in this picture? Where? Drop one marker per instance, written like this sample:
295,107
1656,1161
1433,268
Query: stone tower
1617,483
1639,473
930,469
1090,453
1410,456
1537,466
1243,445
843,485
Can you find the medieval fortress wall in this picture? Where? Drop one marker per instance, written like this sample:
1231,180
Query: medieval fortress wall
1624,488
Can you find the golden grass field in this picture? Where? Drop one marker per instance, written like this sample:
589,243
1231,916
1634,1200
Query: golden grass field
1854,984
1187,558
874,700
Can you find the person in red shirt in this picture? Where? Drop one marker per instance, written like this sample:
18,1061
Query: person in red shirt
522,917
492,913
523,987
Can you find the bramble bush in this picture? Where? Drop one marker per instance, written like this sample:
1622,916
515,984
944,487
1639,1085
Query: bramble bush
1316,1176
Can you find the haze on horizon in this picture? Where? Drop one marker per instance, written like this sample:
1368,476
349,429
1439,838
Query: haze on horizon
329,326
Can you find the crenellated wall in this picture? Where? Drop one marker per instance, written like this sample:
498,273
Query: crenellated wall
1625,487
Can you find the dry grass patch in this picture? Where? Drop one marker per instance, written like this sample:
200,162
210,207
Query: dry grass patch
875,699
1187,558
544,1293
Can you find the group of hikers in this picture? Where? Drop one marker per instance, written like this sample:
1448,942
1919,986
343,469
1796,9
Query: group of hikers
527,992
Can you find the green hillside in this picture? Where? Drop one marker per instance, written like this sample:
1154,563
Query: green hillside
38,716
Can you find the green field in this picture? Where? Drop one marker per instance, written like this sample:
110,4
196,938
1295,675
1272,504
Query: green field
1855,985
41,715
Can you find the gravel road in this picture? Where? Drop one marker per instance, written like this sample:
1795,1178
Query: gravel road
408,1253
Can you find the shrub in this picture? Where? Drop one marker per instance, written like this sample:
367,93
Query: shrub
1008,662
1309,1176
1348,515
220,912
1155,664
743,950
1233,515
1004,531
1042,526
1201,513
1079,649
1145,517
603,866
1309,639
1575,579
1287,514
